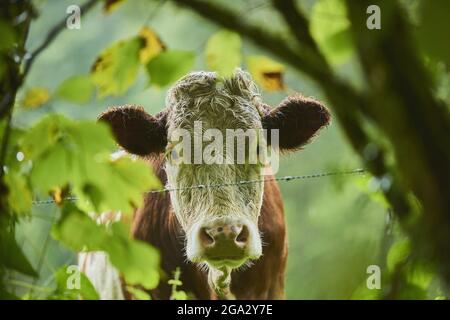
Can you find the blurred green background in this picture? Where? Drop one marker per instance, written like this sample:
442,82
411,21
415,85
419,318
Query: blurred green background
337,226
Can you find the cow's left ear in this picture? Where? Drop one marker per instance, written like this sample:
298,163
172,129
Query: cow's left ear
137,131
298,119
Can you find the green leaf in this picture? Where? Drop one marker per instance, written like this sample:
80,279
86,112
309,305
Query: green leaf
15,135
78,89
137,261
420,275
340,44
412,292
223,52
179,295
35,97
130,179
77,154
19,195
169,66
87,289
116,68
175,282
5,295
78,231
398,254
138,294
365,184
431,31
362,292
63,277
12,256
330,27
8,36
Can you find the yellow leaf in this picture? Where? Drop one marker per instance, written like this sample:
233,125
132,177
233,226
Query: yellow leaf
152,45
35,97
57,196
266,72
111,5
115,69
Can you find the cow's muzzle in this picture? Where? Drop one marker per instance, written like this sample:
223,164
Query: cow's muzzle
226,243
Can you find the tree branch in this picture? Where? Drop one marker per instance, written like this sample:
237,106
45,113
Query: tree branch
348,104
302,59
16,79
299,26
299,57
52,34
417,125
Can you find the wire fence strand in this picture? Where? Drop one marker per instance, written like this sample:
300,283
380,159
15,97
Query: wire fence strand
233,184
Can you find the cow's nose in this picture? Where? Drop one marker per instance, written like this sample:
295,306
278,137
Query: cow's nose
224,239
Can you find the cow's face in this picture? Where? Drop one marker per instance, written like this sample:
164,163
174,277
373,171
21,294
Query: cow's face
220,222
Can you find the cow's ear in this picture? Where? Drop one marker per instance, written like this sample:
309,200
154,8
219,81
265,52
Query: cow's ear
135,130
298,119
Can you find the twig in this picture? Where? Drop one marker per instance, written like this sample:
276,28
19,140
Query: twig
53,33
301,58
272,42
299,25
8,101
351,107
4,146
155,11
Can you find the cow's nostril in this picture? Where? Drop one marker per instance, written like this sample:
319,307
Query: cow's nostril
205,238
242,237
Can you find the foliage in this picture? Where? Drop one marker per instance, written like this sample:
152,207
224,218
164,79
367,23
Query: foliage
429,32
330,27
169,66
116,68
72,291
152,45
267,72
137,261
223,52
12,256
61,155
35,97
175,283
78,89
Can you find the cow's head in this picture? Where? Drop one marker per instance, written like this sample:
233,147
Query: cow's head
220,223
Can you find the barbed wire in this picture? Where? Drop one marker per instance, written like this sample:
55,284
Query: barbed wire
51,201
232,184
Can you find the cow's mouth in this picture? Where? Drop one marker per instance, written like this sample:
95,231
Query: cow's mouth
226,261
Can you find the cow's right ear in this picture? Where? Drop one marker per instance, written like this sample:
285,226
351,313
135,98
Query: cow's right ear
137,131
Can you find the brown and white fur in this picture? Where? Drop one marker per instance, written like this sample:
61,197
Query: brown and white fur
229,242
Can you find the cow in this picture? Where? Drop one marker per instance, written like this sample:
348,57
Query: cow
229,242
